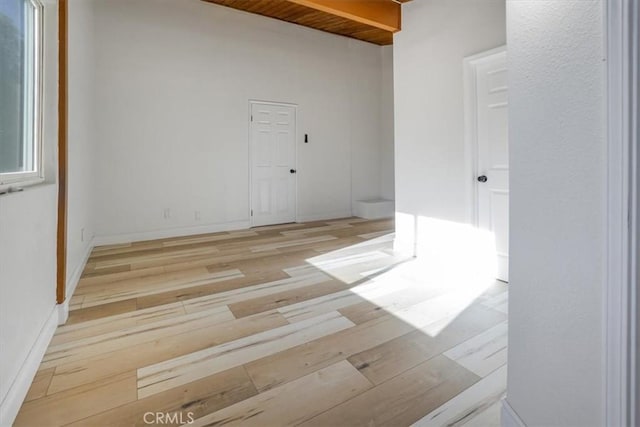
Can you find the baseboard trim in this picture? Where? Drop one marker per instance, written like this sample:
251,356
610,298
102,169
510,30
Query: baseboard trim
325,216
509,417
117,239
18,391
63,311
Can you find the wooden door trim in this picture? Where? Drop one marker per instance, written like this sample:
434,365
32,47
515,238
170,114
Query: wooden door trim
61,249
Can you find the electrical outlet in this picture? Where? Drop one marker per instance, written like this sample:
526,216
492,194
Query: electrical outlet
196,215
82,234
167,213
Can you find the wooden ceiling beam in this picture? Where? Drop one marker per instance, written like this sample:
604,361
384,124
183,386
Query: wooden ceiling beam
373,21
382,14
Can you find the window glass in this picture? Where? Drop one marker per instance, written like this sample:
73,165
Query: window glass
19,89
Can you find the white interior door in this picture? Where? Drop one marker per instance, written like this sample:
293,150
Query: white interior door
492,179
273,164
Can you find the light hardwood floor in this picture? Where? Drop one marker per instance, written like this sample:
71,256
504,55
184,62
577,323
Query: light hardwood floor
315,324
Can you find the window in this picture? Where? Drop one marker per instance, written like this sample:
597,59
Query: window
20,91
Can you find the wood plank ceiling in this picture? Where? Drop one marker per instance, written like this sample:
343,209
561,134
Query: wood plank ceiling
372,21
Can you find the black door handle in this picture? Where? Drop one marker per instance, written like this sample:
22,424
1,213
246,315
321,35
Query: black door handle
292,171
482,178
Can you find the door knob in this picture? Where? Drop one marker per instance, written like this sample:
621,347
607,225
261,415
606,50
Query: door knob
292,171
482,178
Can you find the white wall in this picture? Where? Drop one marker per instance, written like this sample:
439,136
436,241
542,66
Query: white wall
28,255
81,139
173,81
430,159
557,140
387,147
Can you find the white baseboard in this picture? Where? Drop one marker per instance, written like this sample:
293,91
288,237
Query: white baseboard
509,417
72,283
116,239
63,311
17,392
325,216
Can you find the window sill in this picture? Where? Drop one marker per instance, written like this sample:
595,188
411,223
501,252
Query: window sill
19,187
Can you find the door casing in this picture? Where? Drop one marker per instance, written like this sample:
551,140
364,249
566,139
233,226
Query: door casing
621,299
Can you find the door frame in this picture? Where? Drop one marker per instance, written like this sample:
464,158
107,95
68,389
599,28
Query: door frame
469,66
621,379
252,102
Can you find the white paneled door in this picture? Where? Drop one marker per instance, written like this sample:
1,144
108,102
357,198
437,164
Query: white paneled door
273,163
493,154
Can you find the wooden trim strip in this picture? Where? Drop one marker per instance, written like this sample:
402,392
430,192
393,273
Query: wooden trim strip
61,278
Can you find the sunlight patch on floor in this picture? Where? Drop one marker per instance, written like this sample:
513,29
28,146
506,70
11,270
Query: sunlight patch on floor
454,268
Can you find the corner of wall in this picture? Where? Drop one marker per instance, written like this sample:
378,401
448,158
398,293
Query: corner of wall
509,417
404,242
74,278
72,282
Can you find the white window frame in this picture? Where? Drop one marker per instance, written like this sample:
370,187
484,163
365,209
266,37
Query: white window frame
35,135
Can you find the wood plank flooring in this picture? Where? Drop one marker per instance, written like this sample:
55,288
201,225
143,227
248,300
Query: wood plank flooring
315,324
